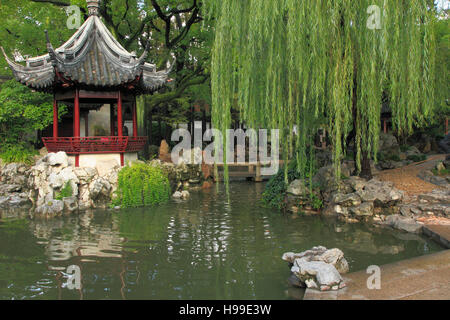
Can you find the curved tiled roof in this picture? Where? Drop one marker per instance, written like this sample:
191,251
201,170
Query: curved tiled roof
92,58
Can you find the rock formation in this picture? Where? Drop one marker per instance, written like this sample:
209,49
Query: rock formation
318,268
41,184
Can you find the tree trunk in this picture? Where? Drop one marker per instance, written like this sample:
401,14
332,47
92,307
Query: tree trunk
160,130
167,132
366,170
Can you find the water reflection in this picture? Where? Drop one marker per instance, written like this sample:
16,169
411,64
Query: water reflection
210,247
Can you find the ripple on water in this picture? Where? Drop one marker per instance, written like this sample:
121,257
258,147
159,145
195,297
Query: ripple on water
204,248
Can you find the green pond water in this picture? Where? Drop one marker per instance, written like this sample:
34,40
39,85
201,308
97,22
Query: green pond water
203,248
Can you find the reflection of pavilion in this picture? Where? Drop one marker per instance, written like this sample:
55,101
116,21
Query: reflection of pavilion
94,241
88,71
84,242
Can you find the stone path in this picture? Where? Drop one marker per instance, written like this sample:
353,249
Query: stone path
439,232
406,179
422,278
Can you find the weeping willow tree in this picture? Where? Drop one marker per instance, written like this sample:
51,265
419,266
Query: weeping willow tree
290,63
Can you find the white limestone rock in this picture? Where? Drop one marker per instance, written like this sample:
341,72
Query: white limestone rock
104,167
58,159
403,223
85,175
331,256
51,208
297,188
70,204
185,194
177,195
321,273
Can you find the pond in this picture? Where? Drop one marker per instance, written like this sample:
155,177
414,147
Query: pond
203,248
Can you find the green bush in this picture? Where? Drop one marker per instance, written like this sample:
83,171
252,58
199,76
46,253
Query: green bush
442,173
141,185
382,156
404,148
316,202
275,191
153,152
65,192
22,112
417,157
17,153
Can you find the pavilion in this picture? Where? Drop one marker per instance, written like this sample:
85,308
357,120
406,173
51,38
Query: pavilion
87,72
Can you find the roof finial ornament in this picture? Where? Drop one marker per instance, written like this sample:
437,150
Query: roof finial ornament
93,7
145,53
50,49
6,56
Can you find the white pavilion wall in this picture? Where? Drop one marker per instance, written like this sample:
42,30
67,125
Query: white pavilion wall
100,119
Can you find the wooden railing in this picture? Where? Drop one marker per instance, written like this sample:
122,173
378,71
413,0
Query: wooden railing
94,145
253,170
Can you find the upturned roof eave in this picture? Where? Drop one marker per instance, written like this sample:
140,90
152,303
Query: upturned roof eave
40,72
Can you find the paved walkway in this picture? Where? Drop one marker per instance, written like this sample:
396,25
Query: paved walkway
422,278
439,233
405,178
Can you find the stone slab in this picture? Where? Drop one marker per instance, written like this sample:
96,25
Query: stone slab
439,233
426,277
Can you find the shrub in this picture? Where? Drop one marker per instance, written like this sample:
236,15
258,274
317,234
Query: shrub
275,191
382,156
17,153
417,157
65,192
316,202
442,173
404,148
22,112
141,185
153,152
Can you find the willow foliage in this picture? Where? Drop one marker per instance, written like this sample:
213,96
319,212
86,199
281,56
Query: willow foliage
141,185
289,63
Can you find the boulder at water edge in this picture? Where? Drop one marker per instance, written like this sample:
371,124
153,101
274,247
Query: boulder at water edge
318,268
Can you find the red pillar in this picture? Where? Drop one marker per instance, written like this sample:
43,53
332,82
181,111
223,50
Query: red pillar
385,125
76,122
120,123
55,118
134,118
119,116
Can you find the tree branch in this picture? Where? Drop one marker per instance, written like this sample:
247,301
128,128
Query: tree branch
159,11
187,27
59,3
176,11
159,98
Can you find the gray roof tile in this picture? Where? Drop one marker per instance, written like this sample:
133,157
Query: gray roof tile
93,58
